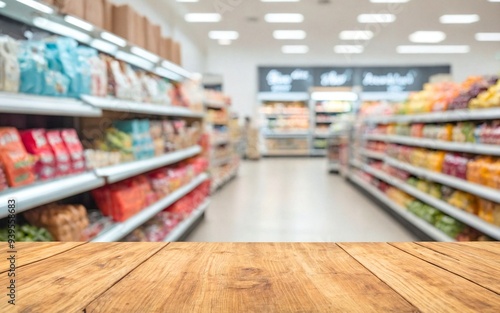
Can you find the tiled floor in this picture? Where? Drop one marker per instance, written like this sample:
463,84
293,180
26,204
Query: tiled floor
294,200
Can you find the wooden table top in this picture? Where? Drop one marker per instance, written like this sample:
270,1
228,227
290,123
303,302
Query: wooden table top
255,277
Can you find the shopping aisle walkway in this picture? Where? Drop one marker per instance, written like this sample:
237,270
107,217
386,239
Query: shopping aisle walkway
294,200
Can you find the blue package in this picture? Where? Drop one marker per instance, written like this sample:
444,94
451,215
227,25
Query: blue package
85,68
62,57
32,65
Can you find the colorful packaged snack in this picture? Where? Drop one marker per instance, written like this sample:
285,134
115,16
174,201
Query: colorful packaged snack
63,160
17,163
75,149
36,144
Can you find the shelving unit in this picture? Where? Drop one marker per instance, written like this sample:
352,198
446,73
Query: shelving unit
184,227
119,230
422,225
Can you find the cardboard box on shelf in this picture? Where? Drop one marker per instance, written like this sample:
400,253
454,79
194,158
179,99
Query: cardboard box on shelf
71,7
108,8
94,12
166,48
153,38
176,53
140,35
124,22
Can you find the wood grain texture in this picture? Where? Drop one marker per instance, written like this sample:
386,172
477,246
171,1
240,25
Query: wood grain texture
428,287
493,248
28,252
245,277
69,281
456,259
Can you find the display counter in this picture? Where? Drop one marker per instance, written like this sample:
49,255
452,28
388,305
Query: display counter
254,277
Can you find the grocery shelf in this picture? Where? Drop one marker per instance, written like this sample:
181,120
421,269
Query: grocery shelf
42,105
40,193
287,153
372,154
183,227
479,190
285,96
221,161
436,117
220,142
318,152
112,104
474,148
120,172
119,230
419,223
224,181
321,135
463,216
214,104
278,135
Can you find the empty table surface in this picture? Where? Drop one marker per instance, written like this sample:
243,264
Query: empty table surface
255,277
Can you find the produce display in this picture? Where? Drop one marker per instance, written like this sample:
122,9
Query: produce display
27,233
156,229
59,67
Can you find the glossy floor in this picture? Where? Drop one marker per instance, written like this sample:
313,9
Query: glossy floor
289,200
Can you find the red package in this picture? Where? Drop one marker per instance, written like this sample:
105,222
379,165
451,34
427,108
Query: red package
63,161
17,163
75,149
35,142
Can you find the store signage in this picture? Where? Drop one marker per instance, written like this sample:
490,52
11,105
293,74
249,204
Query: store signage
333,77
284,79
398,79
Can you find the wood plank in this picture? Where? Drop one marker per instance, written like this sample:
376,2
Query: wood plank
486,254
428,287
69,281
247,277
28,252
493,247
473,267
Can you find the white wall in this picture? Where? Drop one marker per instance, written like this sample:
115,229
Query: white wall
164,14
238,66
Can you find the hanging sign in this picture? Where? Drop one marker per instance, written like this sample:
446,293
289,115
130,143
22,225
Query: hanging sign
333,77
284,79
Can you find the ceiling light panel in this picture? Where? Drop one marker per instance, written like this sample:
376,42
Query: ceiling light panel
376,18
289,34
431,49
284,18
356,35
488,36
295,49
224,42
202,17
459,19
348,49
427,37
223,34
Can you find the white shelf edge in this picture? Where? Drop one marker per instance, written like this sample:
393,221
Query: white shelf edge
113,104
214,104
372,154
479,190
186,224
220,142
122,229
18,103
123,171
444,116
221,161
41,193
474,148
285,135
421,224
224,181
465,217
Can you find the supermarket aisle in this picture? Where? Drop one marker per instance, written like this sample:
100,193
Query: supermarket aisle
294,200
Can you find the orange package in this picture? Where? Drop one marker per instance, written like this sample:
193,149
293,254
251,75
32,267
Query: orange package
17,163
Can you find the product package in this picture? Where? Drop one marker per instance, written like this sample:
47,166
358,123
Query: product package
75,150
9,66
36,144
61,154
17,163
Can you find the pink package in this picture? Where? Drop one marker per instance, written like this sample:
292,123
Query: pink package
35,142
63,160
75,150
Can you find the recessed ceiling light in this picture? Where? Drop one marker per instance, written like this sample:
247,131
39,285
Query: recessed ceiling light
389,1
494,0
225,42
356,35
376,18
432,49
2,4
348,49
202,17
114,39
284,18
223,34
459,18
79,23
488,36
37,6
289,34
296,49
427,37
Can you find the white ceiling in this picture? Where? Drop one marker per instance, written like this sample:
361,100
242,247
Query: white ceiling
325,19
